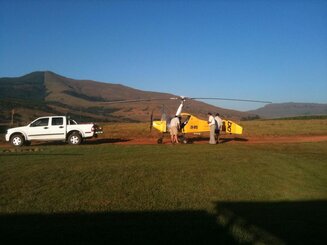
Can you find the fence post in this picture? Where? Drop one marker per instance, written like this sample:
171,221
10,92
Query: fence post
12,116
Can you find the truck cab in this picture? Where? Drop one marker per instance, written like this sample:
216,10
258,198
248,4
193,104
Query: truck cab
47,128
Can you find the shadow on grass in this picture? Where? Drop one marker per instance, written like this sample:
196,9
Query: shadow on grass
93,141
197,139
233,223
222,140
187,227
15,154
300,222
226,140
104,141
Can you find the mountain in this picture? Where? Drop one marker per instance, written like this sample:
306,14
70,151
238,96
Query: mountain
46,93
290,110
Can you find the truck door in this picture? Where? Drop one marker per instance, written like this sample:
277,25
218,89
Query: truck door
38,130
57,129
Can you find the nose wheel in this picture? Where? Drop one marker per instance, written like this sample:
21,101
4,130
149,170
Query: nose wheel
183,139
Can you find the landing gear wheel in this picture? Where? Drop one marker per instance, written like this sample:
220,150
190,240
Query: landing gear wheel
17,140
183,140
159,141
74,139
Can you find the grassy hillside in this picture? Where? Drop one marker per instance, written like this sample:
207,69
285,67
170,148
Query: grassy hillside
87,93
26,93
29,87
290,110
44,93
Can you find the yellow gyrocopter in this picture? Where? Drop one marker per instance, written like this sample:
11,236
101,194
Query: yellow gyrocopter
190,124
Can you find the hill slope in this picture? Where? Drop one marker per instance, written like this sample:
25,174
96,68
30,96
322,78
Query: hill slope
26,93
290,110
44,93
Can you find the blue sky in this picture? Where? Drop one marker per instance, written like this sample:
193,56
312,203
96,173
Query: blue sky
263,50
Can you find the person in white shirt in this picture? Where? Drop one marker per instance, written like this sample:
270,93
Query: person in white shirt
212,125
218,126
174,127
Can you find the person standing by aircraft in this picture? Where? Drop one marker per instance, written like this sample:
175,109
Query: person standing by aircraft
174,127
218,126
212,125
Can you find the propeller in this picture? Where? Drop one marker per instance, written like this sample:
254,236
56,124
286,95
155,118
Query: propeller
151,121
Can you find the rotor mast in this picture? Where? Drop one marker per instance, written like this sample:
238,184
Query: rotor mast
179,110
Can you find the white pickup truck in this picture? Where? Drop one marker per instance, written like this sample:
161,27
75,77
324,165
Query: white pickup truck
52,128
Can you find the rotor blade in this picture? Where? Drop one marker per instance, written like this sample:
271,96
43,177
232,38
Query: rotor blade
137,100
257,101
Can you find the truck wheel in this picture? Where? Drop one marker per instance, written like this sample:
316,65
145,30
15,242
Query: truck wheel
74,139
17,140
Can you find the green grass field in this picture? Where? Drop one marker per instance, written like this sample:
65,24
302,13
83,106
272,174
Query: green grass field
285,127
165,194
